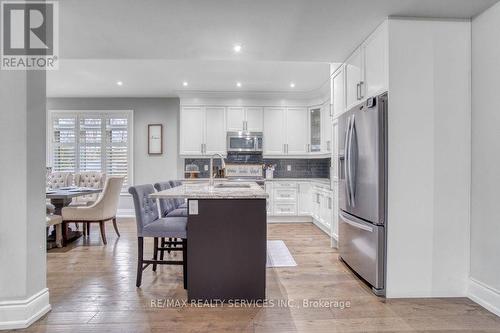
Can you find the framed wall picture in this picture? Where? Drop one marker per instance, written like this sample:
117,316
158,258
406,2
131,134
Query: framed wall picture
155,139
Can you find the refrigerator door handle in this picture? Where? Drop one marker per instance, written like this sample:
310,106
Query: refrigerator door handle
355,224
349,163
346,160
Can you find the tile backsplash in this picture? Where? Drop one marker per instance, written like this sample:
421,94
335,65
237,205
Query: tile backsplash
300,168
285,168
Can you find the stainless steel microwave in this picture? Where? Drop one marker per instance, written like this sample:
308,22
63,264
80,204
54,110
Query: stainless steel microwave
244,141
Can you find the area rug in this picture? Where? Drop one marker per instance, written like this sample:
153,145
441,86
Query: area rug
278,254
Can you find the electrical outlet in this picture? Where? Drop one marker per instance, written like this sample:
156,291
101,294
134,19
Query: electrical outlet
206,167
288,167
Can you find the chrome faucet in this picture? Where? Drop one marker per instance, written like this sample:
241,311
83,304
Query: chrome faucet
223,166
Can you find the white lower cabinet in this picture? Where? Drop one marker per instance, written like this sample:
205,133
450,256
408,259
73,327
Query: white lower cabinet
269,202
303,199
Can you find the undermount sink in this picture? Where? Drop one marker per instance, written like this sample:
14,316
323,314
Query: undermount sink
232,185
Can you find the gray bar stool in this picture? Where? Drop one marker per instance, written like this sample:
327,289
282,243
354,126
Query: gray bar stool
168,208
149,224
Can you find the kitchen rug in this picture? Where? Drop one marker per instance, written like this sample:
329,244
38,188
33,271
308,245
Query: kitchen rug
278,255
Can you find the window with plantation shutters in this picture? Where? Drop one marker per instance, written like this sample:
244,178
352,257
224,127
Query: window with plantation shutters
92,141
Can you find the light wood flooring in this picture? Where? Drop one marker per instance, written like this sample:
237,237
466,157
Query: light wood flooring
92,289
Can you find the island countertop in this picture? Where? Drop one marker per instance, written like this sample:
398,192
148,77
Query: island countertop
240,190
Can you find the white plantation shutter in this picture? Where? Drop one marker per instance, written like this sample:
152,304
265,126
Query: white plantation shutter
117,147
90,148
92,141
64,143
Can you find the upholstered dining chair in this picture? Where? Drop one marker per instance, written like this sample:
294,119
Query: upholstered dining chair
103,210
150,224
57,180
89,180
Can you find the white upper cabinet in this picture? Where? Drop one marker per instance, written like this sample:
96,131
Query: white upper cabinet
326,128
274,131
254,119
192,130
365,72
215,138
338,91
354,74
235,117
296,131
376,62
203,130
245,119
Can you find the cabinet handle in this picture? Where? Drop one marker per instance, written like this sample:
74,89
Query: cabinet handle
284,149
357,92
328,145
287,148
329,203
361,95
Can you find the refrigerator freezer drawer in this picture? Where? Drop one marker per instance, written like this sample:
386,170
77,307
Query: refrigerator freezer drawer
361,246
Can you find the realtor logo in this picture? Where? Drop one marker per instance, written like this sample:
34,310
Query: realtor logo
29,37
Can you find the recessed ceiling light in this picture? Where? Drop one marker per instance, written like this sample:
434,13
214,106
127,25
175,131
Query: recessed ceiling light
185,84
120,83
238,84
237,48
292,85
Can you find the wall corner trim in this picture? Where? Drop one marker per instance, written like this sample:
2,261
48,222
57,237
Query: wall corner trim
20,314
486,296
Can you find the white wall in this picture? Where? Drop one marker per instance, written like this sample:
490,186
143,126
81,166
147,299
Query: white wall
147,169
429,168
23,293
485,199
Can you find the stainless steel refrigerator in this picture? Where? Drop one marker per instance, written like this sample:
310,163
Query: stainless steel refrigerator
363,190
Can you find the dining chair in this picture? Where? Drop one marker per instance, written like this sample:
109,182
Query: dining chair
180,203
90,180
103,210
57,180
150,224
56,222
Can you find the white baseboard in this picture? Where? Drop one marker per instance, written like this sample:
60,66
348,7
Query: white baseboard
22,313
484,295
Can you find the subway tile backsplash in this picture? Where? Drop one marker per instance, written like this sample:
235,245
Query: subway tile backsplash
299,168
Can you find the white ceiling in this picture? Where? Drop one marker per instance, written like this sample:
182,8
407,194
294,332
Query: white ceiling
153,77
192,40
277,30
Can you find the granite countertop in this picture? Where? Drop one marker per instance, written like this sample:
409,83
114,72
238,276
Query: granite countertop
201,190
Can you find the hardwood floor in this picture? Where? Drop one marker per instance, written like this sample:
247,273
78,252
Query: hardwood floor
92,289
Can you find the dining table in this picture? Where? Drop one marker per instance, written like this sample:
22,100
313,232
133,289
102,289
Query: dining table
62,197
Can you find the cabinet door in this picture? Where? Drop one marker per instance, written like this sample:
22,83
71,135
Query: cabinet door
215,140
339,92
274,131
335,150
254,119
376,62
192,130
315,203
354,77
326,129
235,117
315,131
269,201
305,201
296,131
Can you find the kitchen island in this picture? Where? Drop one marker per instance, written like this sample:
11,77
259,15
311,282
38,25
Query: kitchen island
226,232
